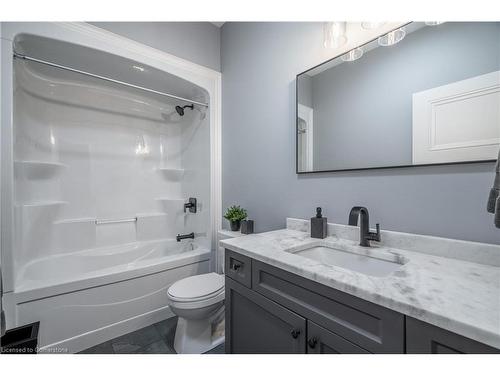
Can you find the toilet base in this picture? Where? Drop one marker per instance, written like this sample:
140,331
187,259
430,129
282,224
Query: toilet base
196,336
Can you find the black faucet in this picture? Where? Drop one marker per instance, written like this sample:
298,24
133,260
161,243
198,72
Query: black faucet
365,236
180,237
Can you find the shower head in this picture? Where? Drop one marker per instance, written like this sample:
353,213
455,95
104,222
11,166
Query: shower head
180,110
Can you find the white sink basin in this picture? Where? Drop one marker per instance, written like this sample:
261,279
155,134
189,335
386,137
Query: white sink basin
368,265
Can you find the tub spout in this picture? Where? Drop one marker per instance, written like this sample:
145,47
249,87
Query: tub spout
180,237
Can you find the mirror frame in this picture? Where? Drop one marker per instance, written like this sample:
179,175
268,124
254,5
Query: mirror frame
364,168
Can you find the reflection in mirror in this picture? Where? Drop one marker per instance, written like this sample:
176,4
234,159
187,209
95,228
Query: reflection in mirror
419,95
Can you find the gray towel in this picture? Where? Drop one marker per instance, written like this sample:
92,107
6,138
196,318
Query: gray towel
494,198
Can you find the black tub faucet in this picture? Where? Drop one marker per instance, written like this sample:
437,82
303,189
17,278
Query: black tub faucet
365,236
191,205
180,237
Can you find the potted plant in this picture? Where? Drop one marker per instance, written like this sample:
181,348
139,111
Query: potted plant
235,214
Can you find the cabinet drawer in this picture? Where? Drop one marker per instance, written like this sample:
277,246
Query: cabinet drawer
424,338
370,326
238,267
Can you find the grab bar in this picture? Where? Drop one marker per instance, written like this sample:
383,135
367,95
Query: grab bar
115,221
40,61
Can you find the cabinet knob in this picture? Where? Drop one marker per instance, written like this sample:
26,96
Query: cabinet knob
236,266
295,333
312,342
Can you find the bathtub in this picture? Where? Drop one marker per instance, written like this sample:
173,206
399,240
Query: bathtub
85,298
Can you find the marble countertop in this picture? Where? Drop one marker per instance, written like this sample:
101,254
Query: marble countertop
457,295
224,234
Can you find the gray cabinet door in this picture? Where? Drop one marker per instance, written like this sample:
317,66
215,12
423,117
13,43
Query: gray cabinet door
323,341
424,338
255,324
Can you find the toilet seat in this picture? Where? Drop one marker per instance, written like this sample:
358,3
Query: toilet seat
197,291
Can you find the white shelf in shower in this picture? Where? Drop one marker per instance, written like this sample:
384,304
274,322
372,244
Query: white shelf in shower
172,173
41,203
39,169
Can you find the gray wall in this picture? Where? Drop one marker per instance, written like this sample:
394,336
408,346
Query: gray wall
259,64
363,109
198,42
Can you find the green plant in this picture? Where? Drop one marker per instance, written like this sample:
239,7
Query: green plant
235,213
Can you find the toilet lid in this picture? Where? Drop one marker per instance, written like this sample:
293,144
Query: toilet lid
197,287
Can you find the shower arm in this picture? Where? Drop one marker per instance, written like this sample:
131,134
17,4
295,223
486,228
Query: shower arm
28,58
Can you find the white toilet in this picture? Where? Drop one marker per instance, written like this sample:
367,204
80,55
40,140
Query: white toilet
198,301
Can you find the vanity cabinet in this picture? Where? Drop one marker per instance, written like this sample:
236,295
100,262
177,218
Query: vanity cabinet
257,325
424,338
269,310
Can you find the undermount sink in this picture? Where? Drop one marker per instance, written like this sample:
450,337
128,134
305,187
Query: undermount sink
368,265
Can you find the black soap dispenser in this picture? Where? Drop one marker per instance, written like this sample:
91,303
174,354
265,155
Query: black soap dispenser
318,225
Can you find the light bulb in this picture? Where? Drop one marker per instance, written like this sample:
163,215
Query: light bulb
353,54
392,37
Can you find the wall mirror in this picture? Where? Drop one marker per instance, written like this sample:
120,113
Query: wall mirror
422,94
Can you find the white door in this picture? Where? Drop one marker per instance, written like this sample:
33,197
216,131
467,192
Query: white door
305,138
457,122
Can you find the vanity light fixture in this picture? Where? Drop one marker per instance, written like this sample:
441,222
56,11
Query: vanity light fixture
392,37
433,23
371,25
334,34
353,54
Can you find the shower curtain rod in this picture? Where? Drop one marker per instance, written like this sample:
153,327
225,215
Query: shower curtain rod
28,58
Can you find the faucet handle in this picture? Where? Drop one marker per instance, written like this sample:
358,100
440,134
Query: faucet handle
377,233
374,236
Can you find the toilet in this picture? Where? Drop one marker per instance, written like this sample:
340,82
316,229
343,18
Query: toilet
198,301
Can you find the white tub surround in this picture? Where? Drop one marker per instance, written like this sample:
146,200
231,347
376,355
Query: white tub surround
108,303
97,165
87,269
452,284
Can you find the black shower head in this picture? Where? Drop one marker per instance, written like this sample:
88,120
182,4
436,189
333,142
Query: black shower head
180,110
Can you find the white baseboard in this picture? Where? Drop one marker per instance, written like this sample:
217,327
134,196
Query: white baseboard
88,339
